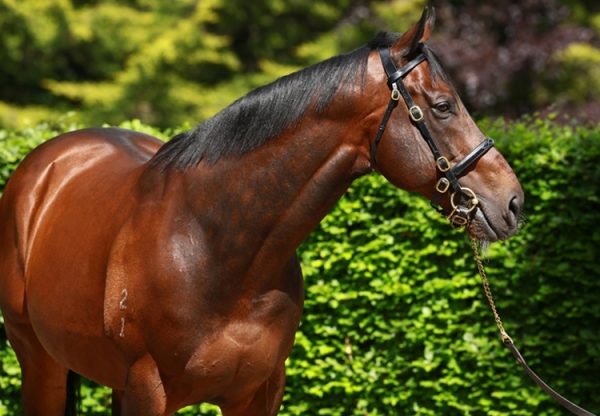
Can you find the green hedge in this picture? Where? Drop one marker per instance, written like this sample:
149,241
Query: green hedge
395,320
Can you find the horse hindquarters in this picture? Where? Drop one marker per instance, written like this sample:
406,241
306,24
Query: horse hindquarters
44,381
52,266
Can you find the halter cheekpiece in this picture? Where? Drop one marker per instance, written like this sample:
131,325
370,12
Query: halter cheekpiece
463,200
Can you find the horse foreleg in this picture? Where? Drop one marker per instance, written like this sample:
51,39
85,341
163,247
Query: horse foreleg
116,402
144,393
265,401
44,381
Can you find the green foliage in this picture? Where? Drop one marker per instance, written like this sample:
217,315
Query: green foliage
395,320
10,379
15,144
580,76
170,62
163,62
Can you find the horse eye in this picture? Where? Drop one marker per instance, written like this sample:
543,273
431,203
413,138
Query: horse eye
443,107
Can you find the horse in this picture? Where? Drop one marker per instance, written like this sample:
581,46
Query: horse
168,272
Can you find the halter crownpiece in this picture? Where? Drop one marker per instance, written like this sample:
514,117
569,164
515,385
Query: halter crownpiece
463,200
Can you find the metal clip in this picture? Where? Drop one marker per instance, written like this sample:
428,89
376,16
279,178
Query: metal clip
505,338
395,92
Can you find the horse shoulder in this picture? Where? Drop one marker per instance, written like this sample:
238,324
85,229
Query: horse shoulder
149,265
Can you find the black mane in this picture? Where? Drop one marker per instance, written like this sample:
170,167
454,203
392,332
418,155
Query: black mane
265,112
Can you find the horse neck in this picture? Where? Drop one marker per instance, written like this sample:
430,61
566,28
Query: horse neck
259,207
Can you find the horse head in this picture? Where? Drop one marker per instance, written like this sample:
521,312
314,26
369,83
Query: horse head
428,142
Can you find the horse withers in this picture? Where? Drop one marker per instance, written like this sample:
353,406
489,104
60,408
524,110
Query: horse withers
168,272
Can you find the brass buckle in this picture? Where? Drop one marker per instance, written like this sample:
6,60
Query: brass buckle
416,114
442,185
459,218
442,164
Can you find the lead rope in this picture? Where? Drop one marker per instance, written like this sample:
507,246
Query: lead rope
508,342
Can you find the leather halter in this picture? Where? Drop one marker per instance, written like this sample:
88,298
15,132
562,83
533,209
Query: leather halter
459,217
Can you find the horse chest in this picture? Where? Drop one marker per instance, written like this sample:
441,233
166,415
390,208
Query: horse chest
244,351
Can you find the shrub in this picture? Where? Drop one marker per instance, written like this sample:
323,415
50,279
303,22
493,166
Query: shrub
395,321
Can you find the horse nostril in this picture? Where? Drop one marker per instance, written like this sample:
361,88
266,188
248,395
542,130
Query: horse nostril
514,210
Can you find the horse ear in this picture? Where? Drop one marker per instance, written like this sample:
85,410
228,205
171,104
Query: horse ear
418,34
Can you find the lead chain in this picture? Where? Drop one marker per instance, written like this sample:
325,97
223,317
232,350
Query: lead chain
488,292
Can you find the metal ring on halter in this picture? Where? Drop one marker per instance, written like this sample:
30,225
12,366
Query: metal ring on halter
459,217
466,191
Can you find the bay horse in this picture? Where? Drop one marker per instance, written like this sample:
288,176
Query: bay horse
168,272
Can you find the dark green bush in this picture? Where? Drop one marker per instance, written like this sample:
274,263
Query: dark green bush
396,323
395,320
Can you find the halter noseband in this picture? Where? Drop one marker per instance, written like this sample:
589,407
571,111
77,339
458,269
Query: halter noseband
463,200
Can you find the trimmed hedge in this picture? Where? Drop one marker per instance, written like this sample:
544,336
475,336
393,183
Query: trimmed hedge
395,319
396,322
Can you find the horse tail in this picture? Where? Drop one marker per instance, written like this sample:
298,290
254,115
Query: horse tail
73,393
